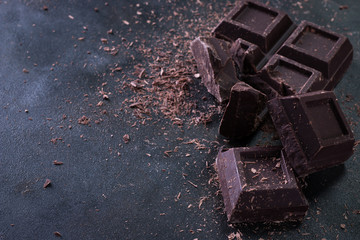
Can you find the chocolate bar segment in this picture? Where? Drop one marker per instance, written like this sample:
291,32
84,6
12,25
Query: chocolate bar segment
290,77
313,131
215,65
258,186
317,47
254,22
246,56
243,112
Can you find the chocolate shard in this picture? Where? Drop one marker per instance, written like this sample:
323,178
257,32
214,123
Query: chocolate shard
243,112
260,81
258,186
254,22
246,56
215,65
289,77
317,47
313,131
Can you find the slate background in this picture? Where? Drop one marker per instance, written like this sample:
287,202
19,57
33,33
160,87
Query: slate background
96,194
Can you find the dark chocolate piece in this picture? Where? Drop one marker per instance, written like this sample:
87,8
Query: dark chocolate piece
254,22
241,117
317,47
246,56
258,186
260,81
215,65
293,76
313,131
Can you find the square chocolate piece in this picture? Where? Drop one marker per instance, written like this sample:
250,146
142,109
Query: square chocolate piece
258,186
254,22
293,76
317,47
215,65
313,131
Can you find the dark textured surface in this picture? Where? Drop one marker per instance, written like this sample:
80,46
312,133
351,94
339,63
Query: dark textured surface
96,194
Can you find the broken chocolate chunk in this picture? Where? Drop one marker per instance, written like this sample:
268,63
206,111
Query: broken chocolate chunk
258,186
289,77
313,131
242,114
260,81
317,47
254,22
215,65
246,56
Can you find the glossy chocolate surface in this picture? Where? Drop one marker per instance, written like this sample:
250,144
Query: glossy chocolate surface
258,186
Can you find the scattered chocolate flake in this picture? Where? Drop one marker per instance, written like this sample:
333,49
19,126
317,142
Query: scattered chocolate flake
202,200
193,184
235,236
126,138
343,7
57,234
84,120
356,212
126,22
47,183
45,8
56,162
25,70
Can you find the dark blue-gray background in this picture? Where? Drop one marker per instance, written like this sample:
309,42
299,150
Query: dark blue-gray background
107,189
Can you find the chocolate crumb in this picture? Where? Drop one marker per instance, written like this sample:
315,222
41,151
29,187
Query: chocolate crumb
56,162
343,7
126,138
84,120
47,183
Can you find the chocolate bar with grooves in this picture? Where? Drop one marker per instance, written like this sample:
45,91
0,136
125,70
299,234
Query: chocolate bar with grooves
319,48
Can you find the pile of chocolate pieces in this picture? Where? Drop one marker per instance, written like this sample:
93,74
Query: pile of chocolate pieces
257,62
